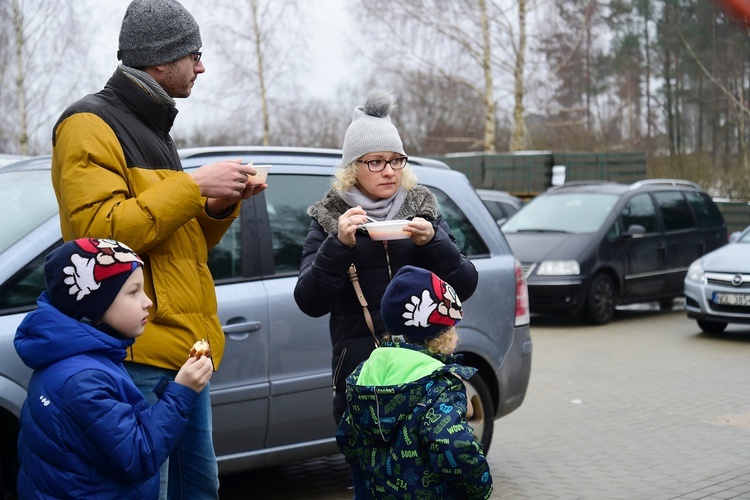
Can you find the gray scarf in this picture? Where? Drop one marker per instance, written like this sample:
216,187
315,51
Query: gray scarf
383,209
417,202
147,83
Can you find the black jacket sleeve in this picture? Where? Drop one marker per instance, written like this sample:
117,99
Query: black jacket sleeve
323,271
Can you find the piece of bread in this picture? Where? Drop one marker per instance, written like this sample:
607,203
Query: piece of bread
200,348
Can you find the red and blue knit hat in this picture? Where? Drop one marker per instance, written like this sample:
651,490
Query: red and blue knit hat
419,306
84,276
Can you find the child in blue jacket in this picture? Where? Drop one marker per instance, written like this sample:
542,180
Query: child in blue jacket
405,430
86,430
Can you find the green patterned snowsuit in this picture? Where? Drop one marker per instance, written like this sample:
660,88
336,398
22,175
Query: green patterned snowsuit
405,426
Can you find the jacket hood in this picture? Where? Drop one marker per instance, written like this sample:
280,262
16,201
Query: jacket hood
46,336
397,378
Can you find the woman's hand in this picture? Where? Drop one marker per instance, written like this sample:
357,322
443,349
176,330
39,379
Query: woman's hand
348,223
421,231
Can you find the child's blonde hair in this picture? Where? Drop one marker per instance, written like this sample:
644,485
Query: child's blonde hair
442,344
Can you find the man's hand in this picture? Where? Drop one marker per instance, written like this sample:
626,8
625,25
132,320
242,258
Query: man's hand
225,179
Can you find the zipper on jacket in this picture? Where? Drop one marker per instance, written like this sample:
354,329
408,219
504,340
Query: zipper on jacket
387,260
337,370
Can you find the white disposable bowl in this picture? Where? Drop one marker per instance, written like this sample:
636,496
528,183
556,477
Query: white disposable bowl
261,175
387,230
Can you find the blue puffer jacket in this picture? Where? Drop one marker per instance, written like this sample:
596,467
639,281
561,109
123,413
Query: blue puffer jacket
86,431
405,426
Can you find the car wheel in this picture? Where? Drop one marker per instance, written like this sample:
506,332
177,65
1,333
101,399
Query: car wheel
482,421
712,326
599,307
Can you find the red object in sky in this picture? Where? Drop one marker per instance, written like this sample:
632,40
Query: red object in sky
739,9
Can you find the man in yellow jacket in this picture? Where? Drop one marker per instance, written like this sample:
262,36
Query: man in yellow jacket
117,174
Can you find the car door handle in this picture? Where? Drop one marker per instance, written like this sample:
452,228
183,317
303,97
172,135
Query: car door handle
245,327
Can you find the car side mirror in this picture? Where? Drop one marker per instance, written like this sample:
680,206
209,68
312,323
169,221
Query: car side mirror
635,231
734,236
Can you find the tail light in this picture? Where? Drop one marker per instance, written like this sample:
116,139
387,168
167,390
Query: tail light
522,297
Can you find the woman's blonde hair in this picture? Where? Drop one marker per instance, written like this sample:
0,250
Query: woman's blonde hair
346,177
442,344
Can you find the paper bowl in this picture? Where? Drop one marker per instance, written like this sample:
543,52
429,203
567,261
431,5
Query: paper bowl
261,175
387,230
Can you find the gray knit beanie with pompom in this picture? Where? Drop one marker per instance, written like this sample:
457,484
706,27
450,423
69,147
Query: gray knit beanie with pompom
157,32
371,129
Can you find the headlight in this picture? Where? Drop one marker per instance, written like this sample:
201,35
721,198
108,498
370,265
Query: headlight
559,268
695,272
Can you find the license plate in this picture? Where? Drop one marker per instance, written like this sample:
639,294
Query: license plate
731,299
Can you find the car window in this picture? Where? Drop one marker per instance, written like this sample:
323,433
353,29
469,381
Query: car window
20,217
674,210
463,230
705,210
225,259
563,212
500,210
287,201
20,292
640,211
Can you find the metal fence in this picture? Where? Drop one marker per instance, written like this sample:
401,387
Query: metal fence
736,214
527,174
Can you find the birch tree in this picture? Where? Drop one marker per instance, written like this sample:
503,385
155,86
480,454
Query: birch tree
260,42
460,41
39,40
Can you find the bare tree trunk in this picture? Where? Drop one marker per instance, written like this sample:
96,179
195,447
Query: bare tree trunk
518,140
649,113
259,48
589,16
22,134
489,96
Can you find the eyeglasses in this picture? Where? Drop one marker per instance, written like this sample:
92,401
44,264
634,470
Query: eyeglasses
196,57
379,165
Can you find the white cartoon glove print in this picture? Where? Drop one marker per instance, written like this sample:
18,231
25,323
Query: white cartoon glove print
418,312
81,276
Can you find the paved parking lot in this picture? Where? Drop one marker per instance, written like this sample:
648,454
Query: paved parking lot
643,408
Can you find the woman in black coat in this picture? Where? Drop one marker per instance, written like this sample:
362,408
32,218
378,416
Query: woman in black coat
373,179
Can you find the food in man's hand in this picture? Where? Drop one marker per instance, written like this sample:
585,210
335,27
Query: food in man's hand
200,348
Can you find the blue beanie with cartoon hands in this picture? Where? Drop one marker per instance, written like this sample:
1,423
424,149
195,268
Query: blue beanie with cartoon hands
419,306
84,276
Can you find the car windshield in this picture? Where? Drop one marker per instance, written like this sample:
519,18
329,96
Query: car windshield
27,200
562,213
745,237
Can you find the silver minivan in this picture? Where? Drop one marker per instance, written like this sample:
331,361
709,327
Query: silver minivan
271,396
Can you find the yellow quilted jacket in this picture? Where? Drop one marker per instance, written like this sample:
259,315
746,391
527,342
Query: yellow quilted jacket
117,175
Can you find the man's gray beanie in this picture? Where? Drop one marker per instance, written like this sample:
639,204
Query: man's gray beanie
371,129
157,32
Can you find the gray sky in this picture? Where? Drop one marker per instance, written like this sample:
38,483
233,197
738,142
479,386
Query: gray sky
327,68
328,26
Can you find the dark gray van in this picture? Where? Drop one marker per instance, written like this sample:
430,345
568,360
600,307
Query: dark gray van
586,247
